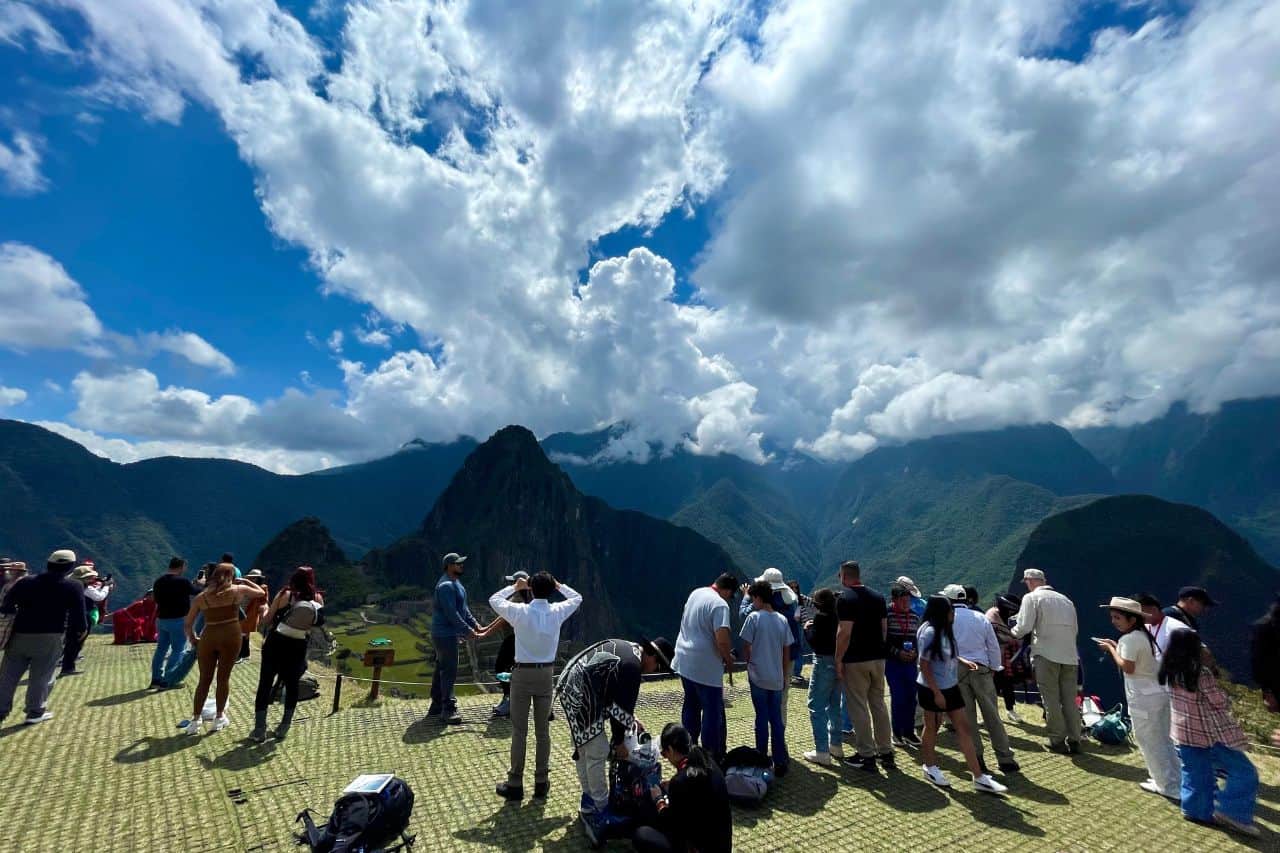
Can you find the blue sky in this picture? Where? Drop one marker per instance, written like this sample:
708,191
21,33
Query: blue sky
162,224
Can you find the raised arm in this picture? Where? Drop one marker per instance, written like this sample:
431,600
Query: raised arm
572,600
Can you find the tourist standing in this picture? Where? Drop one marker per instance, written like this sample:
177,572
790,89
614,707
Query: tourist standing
860,658
766,644
451,623
804,614
704,653
1193,601
976,642
294,611
218,645
253,615
785,602
1209,740
1137,658
939,695
48,609
917,600
825,690
537,626
507,649
172,594
1049,618
1005,608
900,667
84,576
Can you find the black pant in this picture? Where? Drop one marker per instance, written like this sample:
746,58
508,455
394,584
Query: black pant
284,657
71,650
506,657
1004,686
650,840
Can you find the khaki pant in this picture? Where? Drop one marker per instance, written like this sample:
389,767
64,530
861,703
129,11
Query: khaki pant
864,700
1057,685
530,686
592,762
978,687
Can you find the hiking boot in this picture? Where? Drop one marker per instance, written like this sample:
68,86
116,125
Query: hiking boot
540,790
988,785
1248,829
511,793
821,758
934,774
1009,767
33,719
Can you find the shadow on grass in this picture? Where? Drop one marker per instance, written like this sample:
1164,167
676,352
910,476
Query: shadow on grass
244,755
148,748
521,827
997,811
1098,764
119,699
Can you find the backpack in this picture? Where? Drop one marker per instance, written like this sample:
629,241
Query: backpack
1112,729
747,776
364,822
308,688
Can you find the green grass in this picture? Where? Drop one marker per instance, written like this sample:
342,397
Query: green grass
111,774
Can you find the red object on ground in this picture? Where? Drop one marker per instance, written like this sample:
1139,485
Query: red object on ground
135,623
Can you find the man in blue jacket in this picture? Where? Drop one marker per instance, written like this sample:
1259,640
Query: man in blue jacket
451,622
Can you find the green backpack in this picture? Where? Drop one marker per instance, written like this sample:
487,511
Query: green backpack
1112,729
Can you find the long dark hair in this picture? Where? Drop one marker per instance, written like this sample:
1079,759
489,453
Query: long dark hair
303,583
1140,625
1181,665
677,737
937,614
824,601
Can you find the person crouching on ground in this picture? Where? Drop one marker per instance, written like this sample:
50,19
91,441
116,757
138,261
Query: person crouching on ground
939,695
766,644
1209,739
294,611
601,684
825,690
537,626
694,811
218,646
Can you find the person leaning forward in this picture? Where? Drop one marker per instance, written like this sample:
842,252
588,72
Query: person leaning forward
1050,618
537,626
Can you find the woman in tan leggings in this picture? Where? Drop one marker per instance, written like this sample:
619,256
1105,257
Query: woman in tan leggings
219,646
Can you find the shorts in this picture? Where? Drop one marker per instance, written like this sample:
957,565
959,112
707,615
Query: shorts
951,699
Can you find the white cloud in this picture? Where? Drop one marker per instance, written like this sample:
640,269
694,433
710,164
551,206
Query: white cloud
190,346
42,307
20,164
11,396
18,22
335,342
922,224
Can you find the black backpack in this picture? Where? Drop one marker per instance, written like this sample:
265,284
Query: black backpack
364,823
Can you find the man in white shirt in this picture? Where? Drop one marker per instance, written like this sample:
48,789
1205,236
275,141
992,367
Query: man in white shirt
1050,618
976,642
1159,626
537,626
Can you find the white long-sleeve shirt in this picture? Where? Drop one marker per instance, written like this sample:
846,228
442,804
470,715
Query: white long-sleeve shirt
537,624
976,639
1050,618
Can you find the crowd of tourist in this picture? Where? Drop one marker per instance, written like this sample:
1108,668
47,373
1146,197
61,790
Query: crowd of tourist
942,660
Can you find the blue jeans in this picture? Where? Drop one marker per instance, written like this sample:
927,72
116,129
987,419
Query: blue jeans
801,652
446,674
902,695
768,705
187,661
1201,796
702,715
825,707
171,645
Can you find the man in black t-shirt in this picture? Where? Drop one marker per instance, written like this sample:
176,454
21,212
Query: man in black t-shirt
172,594
860,652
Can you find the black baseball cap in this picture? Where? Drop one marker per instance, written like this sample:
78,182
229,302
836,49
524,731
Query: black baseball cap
1199,594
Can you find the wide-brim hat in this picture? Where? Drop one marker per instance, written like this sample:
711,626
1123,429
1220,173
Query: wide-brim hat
662,649
84,573
773,577
1124,605
910,585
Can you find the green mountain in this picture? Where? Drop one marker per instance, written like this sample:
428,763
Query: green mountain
1136,543
509,507
307,542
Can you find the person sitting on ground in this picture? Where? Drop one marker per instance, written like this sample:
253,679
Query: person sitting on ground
1049,618
218,646
704,653
900,667
804,613
1209,739
1159,625
1137,658
694,813
537,626
48,610
976,642
294,611
601,684
825,689
1005,608
766,645
507,650
172,594
939,694
1193,602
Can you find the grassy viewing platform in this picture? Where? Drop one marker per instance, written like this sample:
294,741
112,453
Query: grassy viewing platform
111,773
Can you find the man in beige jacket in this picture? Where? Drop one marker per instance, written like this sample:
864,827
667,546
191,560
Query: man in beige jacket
1049,618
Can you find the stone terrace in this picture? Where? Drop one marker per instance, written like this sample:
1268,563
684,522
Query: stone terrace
112,773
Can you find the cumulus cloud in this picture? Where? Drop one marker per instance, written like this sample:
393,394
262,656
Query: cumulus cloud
44,307
924,221
190,346
20,164
11,396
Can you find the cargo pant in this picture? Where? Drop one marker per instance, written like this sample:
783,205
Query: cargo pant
530,686
37,653
978,687
1057,685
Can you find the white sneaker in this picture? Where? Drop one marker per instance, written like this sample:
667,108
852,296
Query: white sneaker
836,751
823,758
1012,716
221,722
935,775
38,718
193,727
986,783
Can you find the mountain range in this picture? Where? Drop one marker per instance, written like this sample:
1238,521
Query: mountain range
953,508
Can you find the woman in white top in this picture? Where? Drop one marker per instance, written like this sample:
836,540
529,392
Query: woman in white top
1137,657
294,611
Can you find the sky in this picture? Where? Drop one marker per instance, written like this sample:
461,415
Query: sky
303,233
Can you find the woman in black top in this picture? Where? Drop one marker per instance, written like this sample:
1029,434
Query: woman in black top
825,690
294,611
694,812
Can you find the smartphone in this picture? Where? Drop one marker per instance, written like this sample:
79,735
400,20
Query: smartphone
1097,639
